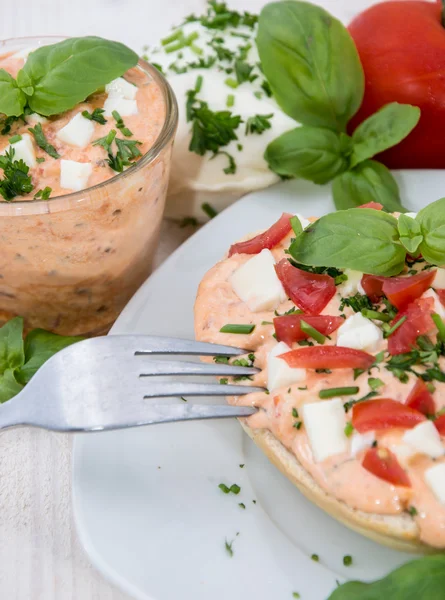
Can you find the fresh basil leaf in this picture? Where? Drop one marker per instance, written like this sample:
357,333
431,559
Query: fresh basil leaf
382,130
432,225
311,64
12,355
410,233
66,73
40,345
12,99
9,387
361,239
419,579
369,181
313,153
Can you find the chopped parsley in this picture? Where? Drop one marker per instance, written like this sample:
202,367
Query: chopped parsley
242,505
331,271
295,413
106,141
43,194
16,179
412,510
120,124
42,142
224,360
243,71
258,124
224,381
357,302
234,488
315,557
97,115
229,549
375,383
347,560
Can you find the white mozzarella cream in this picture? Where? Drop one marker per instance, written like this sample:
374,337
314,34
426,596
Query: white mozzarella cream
325,426
74,175
279,373
360,333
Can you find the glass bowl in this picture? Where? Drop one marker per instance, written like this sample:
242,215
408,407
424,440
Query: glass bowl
71,263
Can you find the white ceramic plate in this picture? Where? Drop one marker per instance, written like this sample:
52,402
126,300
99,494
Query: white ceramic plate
147,504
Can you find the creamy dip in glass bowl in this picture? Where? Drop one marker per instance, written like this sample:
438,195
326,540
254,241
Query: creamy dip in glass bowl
69,264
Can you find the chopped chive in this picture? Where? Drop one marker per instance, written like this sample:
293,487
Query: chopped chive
412,511
223,487
297,424
295,595
258,95
296,225
183,399
315,557
231,82
242,505
235,489
120,124
391,330
375,314
312,332
43,194
175,47
340,391
209,210
191,38
340,279
15,139
295,413
237,328
349,428
438,322
347,560
172,38
229,548
196,49
230,100
266,323
239,147
40,159
241,466
198,84
374,383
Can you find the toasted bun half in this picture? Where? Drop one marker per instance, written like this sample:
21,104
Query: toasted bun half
399,532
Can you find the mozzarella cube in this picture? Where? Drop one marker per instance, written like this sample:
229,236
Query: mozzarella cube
439,279
122,88
403,452
304,222
74,175
435,479
438,306
279,373
77,132
123,106
325,426
350,286
23,150
425,438
360,333
36,118
361,441
257,284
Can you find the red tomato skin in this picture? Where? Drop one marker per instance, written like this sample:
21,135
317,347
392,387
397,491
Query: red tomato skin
421,399
374,205
402,49
382,463
440,424
266,240
328,357
384,413
400,291
418,322
309,291
288,328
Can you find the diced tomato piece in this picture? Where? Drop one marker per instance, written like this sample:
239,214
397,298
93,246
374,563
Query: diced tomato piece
421,399
440,424
373,284
328,357
266,240
401,291
288,328
384,413
374,205
309,291
382,463
418,322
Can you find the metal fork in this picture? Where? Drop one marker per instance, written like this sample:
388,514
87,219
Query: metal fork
104,383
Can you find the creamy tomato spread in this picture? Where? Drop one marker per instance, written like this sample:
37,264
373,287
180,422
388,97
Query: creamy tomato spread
354,370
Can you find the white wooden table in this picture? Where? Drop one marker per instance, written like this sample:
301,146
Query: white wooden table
40,556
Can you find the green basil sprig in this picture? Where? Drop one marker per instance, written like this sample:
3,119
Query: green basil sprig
315,73
372,241
57,77
422,578
21,358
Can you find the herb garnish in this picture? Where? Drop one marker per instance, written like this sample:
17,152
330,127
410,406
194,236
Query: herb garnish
340,391
43,194
347,560
229,549
237,328
358,303
234,488
312,332
258,124
209,210
16,180
120,124
42,142
97,115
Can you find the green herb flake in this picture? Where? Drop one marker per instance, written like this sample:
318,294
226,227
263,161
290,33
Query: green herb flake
340,391
97,115
43,194
120,124
209,210
347,560
412,510
230,100
237,328
42,142
312,332
242,505
258,124
375,383
390,330
349,429
229,548
16,179
295,595
15,138
315,557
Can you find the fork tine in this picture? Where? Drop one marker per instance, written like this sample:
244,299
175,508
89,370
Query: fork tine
159,345
173,388
177,367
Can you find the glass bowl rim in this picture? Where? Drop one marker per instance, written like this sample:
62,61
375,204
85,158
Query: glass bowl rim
165,136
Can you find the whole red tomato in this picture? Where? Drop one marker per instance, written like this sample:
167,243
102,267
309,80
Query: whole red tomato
402,49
